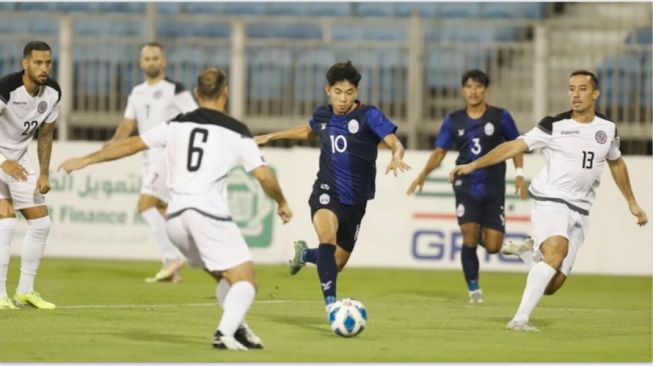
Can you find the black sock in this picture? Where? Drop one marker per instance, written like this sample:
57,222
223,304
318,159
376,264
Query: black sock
327,271
310,255
469,260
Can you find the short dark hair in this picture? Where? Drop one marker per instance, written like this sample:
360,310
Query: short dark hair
35,46
476,75
153,44
343,71
210,83
593,78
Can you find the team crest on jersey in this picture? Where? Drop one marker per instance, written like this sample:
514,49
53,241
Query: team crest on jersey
601,137
489,129
42,107
460,210
157,94
325,199
353,126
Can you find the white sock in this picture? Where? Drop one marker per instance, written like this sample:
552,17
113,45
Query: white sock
157,225
6,232
31,253
537,280
221,291
236,304
527,257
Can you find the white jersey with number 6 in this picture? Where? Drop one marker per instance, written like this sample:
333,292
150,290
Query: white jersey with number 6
575,155
202,147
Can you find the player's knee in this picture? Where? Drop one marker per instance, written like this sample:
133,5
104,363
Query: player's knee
41,225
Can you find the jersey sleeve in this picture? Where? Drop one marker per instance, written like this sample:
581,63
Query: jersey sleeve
185,102
312,123
508,127
614,153
381,125
54,114
156,137
251,156
536,138
444,139
130,113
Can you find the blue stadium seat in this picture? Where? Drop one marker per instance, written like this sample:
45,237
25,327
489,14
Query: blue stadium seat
168,8
286,8
619,77
336,9
203,8
238,8
423,9
512,10
85,7
8,6
310,79
123,7
375,9
459,10
178,29
370,32
642,35
268,71
288,31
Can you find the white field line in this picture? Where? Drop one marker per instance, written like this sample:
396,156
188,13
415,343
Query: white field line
149,306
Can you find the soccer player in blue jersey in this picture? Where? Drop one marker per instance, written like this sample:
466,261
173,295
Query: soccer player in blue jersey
349,134
480,196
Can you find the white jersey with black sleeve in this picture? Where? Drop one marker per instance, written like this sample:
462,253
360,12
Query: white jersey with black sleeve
21,113
202,147
152,104
575,155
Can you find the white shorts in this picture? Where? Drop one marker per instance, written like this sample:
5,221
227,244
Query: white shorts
556,219
153,177
23,194
208,242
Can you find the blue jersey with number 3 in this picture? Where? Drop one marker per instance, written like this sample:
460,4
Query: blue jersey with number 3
475,138
348,150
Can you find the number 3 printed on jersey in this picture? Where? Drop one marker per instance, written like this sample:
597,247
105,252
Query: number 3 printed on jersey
476,149
195,153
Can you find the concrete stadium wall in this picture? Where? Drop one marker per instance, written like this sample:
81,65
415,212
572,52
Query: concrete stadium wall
94,215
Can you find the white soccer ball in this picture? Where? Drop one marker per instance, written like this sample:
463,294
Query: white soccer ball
347,317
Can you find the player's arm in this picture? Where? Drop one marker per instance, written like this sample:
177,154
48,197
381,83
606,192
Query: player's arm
620,175
433,163
120,149
520,182
500,153
398,150
124,130
271,187
44,152
303,132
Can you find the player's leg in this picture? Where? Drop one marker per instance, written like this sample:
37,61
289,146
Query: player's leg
150,208
469,210
325,224
31,254
578,227
7,225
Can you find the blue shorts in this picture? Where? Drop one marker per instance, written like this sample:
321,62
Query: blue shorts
487,210
349,216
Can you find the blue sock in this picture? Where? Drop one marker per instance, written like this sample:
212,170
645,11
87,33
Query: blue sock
327,271
310,255
469,260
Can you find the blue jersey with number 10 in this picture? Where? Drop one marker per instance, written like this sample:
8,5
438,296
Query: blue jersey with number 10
475,138
348,151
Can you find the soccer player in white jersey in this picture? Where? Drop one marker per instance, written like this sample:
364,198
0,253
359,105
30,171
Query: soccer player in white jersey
156,100
29,100
202,147
576,144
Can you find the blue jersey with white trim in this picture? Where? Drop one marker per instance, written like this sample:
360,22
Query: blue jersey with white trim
349,147
475,138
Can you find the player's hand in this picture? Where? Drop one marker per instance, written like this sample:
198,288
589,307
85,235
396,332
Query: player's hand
43,184
72,164
262,139
637,211
284,212
397,163
520,187
460,170
14,170
416,185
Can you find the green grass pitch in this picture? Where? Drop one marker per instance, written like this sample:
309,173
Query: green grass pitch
108,313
